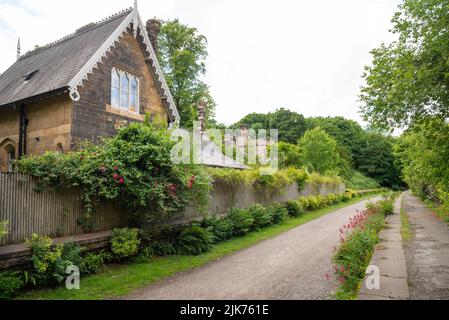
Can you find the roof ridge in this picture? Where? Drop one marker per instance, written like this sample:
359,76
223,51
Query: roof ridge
73,34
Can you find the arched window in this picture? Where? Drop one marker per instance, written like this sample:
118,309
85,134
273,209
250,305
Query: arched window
11,151
115,89
124,90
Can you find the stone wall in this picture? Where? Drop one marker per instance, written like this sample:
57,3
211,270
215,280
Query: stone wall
48,126
224,197
93,116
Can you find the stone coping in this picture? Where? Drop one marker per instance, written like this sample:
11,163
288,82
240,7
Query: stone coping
14,255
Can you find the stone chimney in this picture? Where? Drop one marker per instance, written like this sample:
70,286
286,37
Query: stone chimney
202,115
153,28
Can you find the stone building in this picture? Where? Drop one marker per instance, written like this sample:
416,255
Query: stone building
84,86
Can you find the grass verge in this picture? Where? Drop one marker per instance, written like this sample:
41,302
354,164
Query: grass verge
405,226
120,280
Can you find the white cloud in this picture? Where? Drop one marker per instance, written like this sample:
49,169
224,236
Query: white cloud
263,54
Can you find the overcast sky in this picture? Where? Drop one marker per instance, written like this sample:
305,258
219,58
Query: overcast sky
307,56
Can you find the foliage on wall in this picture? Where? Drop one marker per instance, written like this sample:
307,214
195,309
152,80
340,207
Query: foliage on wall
133,168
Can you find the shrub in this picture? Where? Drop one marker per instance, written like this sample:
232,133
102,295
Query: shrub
297,175
220,228
46,263
386,207
3,228
313,202
72,252
124,242
304,202
93,262
278,212
261,216
331,199
193,240
346,197
273,184
295,208
241,221
163,248
10,284
134,167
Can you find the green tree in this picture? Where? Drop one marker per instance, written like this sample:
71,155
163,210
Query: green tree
291,125
347,133
375,159
182,52
319,151
423,151
253,121
409,78
289,155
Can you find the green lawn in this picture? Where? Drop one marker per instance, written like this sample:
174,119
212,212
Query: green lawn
119,280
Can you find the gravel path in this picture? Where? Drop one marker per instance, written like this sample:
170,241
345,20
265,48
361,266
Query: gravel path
290,266
427,252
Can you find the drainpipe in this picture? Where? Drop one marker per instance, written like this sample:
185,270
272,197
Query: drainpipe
22,132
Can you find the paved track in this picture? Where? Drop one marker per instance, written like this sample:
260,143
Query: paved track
290,266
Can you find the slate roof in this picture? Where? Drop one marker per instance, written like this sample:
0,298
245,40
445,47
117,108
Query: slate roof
212,155
56,63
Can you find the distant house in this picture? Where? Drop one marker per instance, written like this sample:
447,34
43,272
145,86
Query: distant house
84,86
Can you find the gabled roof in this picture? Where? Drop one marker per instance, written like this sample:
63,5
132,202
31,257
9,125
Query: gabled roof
66,63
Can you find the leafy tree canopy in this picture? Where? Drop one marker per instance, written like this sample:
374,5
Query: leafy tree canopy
319,150
291,125
409,78
375,159
182,52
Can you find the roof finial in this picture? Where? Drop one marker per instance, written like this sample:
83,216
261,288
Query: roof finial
18,48
135,4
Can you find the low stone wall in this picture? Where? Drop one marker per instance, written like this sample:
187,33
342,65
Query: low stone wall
225,197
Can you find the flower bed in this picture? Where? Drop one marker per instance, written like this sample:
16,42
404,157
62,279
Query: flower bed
357,241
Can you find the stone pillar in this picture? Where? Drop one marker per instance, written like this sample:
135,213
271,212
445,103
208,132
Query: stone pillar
202,115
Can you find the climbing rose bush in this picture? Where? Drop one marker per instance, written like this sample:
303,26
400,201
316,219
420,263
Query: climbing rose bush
134,168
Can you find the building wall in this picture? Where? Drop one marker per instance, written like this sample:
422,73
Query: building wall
93,117
49,126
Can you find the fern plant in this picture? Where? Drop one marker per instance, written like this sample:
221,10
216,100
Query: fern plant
193,240
261,216
241,221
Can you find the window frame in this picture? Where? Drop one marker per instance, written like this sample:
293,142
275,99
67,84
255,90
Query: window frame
128,91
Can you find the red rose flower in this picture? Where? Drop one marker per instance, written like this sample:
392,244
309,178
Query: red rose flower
116,168
116,176
121,181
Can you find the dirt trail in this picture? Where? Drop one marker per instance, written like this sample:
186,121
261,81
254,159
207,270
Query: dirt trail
290,266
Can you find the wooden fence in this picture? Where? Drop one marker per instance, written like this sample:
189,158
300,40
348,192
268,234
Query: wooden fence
55,213
49,212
